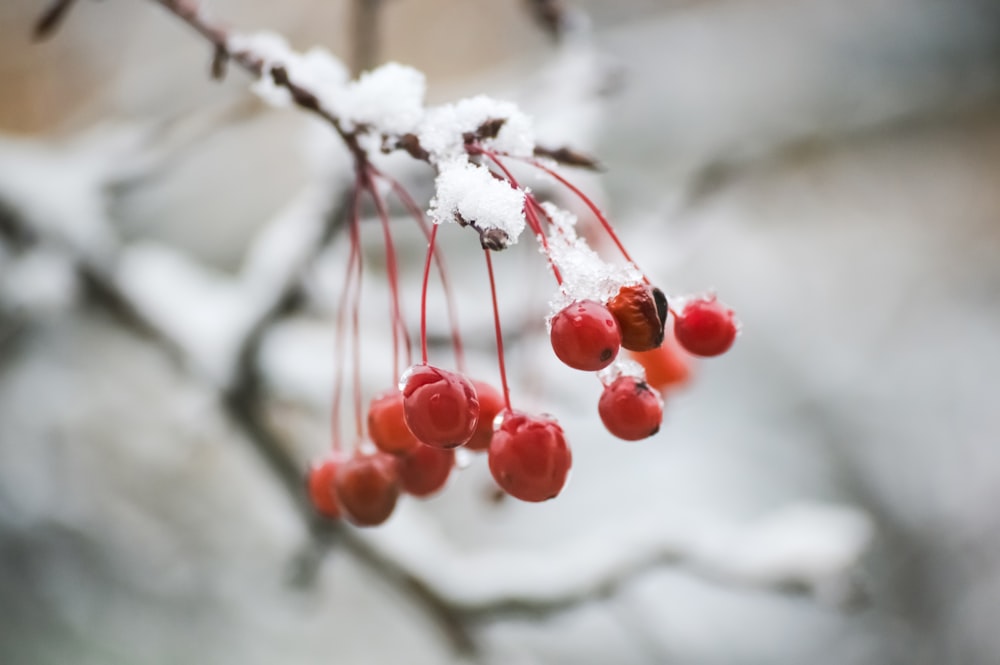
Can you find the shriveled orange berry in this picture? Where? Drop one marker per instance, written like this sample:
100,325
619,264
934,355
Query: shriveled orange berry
641,312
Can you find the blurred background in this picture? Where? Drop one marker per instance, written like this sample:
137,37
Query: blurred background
825,493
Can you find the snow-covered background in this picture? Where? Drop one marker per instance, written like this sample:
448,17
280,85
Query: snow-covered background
826,493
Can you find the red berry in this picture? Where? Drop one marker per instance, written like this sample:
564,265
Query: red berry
425,470
705,327
528,457
387,425
320,484
440,407
630,409
491,403
667,366
585,336
367,488
641,311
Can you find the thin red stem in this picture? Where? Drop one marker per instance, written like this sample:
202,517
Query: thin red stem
499,334
418,214
423,295
590,204
392,271
355,333
529,212
339,340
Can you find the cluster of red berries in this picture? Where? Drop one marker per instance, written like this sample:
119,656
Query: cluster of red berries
415,428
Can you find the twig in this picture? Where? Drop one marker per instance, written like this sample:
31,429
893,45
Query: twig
52,18
364,34
550,14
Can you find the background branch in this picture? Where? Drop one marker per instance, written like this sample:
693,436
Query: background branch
364,37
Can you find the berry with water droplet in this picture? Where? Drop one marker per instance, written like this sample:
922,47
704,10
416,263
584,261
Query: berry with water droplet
585,336
441,407
529,457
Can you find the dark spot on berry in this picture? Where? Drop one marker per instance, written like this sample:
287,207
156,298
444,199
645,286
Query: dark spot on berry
607,354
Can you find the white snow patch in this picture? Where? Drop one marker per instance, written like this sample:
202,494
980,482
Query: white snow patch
808,544
442,131
473,192
389,98
316,70
619,368
586,276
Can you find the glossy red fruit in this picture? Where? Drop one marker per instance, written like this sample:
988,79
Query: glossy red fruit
630,409
667,366
367,488
528,457
441,407
491,403
641,311
320,483
387,425
585,336
425,470
705,327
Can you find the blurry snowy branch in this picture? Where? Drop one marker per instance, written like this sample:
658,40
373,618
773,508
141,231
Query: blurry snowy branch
807,550
214,325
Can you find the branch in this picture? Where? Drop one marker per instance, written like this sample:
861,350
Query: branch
53,17
801,550
364,34
550,14
242,403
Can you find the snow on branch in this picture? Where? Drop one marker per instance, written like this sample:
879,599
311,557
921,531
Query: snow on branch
808,549
383,111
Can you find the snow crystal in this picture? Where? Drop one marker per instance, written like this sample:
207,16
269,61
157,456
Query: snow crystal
441,133
473,192
619,368
586,276
390,98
